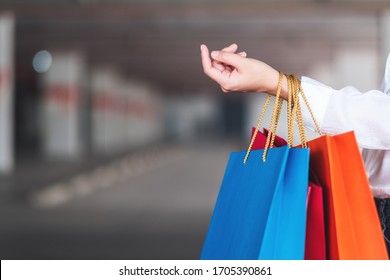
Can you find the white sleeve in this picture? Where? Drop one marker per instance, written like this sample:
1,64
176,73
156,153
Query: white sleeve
338,111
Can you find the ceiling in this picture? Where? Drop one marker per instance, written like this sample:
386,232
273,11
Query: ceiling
159,42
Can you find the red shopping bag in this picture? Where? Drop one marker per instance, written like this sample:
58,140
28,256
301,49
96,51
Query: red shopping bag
315,244
261,139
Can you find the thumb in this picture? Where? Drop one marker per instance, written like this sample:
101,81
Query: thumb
229,58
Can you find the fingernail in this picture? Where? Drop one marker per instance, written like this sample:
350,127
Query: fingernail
214,54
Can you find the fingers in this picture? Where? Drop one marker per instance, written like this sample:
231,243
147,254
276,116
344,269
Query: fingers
208,68
220,66
232,48
224,66
231,59
206,61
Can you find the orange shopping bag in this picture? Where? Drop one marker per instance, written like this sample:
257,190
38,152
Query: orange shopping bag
352,224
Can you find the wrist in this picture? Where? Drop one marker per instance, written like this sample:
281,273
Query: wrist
273,85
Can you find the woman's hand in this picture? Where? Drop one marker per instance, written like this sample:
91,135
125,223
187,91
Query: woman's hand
235,72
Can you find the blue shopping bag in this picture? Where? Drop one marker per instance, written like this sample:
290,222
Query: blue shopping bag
260,212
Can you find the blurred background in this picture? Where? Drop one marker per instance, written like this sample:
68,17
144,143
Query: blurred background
113,143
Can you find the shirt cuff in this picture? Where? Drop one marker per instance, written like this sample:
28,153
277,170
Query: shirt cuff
317,95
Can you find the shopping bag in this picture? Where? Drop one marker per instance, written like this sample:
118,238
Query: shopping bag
261,139
352,225
260,211
315,247
315,243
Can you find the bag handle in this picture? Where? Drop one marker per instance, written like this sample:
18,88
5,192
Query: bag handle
274,120
294,88
299,90
291,112
294,110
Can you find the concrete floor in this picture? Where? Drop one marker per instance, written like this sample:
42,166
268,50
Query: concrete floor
161,211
